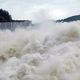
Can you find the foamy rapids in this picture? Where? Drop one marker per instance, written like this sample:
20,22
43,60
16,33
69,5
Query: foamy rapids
48,51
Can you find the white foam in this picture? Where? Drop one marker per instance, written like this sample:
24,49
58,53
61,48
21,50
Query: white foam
49,51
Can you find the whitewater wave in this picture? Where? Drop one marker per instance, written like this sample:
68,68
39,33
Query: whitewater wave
48,51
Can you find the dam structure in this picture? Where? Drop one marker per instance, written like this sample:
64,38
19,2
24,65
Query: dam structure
14,24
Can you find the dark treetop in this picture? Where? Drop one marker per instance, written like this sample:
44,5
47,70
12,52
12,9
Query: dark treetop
5,16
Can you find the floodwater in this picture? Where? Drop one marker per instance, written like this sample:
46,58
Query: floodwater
48,51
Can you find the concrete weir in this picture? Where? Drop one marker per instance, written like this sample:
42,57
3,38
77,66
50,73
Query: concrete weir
14,24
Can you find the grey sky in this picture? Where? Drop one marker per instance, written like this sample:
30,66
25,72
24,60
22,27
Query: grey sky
29,9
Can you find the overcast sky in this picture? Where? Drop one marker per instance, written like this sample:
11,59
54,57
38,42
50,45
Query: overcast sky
51,9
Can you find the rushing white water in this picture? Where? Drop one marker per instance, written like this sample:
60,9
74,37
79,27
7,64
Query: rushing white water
49,51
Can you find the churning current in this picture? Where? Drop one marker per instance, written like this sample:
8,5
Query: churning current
48,51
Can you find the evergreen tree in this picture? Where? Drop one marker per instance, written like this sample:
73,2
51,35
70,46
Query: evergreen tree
5,16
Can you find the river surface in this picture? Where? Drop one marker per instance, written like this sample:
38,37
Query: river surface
48,51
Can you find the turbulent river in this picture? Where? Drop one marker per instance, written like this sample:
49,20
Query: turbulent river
48,51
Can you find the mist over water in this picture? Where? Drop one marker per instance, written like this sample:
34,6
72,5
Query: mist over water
48,51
